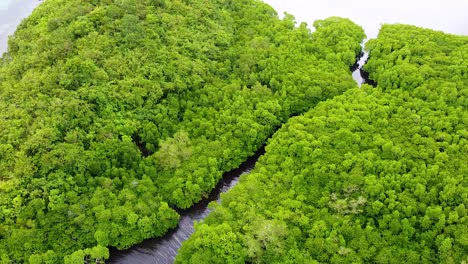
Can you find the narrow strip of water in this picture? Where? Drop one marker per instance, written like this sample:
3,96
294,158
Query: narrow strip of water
359,74
164,250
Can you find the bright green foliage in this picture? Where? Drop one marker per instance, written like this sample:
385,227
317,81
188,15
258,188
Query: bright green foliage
432,64
113,112
371,176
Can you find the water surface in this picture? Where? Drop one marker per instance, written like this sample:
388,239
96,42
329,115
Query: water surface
450,16
164,250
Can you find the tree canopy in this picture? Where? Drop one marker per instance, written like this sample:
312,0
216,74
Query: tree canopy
113,113
376,175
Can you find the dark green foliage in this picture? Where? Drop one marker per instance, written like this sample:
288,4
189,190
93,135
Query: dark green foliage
371,176
114,112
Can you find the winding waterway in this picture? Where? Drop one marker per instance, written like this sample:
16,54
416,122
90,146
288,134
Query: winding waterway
163,250
364,12
357,68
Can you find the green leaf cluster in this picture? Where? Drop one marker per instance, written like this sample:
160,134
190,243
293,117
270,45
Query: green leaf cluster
115,113
376,175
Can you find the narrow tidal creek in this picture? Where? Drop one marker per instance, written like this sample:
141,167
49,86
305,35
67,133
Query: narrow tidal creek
163,250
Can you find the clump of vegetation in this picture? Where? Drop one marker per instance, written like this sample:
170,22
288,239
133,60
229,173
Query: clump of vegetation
115,112
370,176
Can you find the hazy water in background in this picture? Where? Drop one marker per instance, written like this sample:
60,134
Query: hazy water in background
450,16
11,14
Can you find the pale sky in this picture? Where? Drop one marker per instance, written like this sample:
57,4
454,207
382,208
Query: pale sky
11,14
4,4
447,15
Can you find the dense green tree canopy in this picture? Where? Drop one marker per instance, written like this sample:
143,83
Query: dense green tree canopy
376,175
115,112
427,63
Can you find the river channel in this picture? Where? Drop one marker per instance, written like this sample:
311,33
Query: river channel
163,250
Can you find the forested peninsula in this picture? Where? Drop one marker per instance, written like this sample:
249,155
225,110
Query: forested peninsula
375,175
114,114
